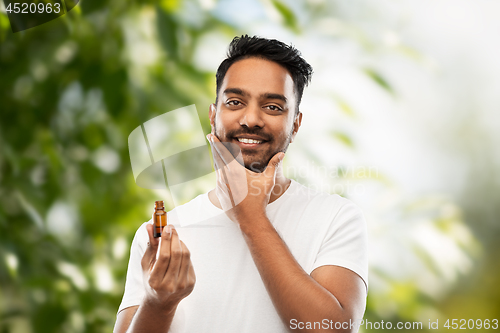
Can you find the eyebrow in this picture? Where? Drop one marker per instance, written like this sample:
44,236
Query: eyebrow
236,91
241,92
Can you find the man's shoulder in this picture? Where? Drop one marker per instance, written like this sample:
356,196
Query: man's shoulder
199,201
311,193
199,210
312,196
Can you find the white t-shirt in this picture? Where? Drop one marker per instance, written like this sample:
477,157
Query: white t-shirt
229,295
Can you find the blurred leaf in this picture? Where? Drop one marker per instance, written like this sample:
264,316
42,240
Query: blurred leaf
49,317
344,106
167,29
343,138
89,6
410,52
114,88
170,5
379,79
287,14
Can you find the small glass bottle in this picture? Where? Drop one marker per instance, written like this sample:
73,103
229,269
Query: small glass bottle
159,218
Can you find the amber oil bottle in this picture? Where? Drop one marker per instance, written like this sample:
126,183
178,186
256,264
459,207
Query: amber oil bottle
159,218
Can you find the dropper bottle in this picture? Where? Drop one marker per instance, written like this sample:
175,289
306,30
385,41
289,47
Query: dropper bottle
159,218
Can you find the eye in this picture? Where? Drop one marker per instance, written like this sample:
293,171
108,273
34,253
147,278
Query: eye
274,108
233,102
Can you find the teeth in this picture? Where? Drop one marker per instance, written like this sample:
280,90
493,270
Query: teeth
248,140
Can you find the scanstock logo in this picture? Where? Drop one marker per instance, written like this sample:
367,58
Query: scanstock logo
26,14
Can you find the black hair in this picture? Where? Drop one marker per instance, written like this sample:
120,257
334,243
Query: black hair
271,49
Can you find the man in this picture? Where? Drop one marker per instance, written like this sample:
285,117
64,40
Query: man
273,256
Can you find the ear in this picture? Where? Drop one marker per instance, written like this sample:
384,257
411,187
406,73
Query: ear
296,125
211,115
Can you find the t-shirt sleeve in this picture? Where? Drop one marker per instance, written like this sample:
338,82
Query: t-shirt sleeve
345,242
134,286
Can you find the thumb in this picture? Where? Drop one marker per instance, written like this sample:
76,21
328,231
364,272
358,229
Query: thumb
274,163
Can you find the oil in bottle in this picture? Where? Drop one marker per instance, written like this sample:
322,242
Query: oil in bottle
159,218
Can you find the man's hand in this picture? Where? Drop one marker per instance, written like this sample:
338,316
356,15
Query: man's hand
167,268
168,278
241,192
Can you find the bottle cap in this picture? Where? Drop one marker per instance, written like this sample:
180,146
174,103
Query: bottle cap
159,204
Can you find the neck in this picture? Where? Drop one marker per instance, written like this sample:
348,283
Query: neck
281,185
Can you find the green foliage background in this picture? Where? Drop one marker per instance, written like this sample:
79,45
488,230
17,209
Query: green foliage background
37,132
68,89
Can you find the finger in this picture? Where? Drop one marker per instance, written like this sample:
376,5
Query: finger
218,161
221,171
149,256
163,259
229,192
185,264
175,257
227,156
224,159
153,242
191,275
222,150
274,163
189,271
223,187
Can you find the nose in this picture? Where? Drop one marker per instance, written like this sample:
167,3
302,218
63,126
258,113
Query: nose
252,117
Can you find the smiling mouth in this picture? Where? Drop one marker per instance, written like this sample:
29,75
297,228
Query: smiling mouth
244,140
250,144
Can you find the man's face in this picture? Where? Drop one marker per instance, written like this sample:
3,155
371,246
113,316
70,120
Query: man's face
256,111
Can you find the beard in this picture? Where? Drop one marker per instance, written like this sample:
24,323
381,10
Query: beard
255,160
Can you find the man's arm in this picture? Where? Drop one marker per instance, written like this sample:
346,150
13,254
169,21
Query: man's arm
143,319
124,318
330,292
168,279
